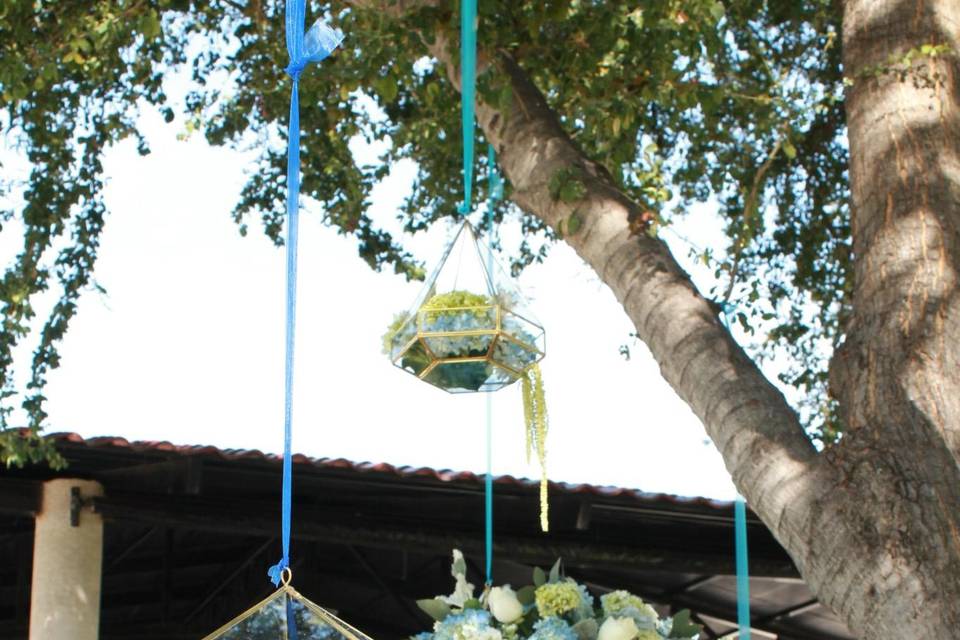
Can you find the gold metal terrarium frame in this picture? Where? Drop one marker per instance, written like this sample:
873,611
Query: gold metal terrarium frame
286,615
503,342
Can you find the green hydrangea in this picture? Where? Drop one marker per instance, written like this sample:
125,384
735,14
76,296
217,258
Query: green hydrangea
616,601
648,634
625,604
557,598
443,303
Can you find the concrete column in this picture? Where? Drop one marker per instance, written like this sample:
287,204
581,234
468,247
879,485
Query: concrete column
67,564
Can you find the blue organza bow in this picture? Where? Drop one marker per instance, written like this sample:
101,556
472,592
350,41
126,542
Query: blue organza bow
318,43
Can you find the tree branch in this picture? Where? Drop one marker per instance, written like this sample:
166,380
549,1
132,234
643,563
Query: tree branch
760,437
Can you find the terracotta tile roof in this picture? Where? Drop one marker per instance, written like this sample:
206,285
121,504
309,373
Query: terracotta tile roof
605,493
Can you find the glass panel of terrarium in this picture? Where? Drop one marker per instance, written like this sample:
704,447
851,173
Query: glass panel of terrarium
498,379
414,358
460,377
464,267
462,346
507,294
400,337
287,615
456,316
524,331
443,278
264,621
514,356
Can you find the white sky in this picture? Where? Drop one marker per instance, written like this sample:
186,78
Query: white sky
187,345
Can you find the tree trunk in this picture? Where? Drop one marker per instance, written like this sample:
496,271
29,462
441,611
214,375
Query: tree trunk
874,524
897,375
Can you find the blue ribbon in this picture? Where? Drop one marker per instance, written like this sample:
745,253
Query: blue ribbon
743,574
468,92
314,46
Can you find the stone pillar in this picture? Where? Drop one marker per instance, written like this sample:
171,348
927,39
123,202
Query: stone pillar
67,565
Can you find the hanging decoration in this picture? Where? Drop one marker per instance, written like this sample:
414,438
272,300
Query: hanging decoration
740,531
553,607
286,614
464,334
494,193
743,574
469,330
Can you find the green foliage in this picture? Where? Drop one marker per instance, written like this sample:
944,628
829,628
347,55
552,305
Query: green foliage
683,626
436,608
567,186
539,577
682,101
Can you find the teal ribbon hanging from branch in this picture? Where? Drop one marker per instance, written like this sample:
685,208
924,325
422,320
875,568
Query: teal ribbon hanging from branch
494,192
314,46
743,573
740,532
468,93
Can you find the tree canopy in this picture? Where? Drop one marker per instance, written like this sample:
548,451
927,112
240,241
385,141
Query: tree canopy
735,103
825,134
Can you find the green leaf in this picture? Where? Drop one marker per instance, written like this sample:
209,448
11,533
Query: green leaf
505,97
150,25
435,608
527,595
717,11
539,577
472,603
386,86
572,191
555,569
789,149
459,566
586,629
683,627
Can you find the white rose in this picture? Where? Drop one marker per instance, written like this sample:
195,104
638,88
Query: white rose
504,604
618,629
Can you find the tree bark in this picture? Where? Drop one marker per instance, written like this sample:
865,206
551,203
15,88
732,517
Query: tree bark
897,374
874,524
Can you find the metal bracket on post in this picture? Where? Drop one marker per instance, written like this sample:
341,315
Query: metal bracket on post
77,502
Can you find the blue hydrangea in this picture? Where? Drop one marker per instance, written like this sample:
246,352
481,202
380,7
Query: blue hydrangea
423,635
552,629
471,624
585,610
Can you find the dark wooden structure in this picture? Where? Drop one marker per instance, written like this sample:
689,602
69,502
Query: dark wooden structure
190,532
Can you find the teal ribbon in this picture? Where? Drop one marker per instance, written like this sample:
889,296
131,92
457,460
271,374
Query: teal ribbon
468,93
495,191
740,532
743,574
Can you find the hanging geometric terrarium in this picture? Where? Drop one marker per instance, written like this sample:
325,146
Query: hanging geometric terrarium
286,615
468,330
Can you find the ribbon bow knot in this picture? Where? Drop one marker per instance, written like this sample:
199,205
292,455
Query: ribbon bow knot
318,43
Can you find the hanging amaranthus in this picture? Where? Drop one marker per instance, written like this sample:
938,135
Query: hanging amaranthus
535,417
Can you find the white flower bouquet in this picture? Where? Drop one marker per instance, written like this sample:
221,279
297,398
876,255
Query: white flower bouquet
554,607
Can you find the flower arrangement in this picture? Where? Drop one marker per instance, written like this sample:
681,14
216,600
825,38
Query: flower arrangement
463,341
554,607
